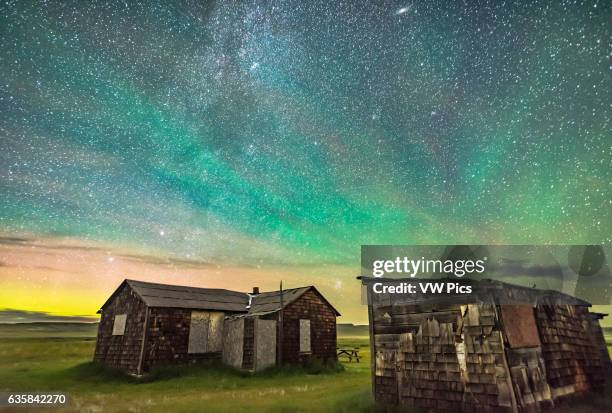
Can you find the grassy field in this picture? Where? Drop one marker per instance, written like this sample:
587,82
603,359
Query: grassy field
64,364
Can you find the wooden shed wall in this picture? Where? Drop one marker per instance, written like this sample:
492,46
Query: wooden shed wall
248,347
391,326
448,358
459,357
322,318
600,341
121,351
168,338
574,360
233,342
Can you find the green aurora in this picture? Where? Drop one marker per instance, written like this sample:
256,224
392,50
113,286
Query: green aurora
290,133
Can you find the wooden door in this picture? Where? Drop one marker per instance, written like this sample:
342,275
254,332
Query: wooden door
265,344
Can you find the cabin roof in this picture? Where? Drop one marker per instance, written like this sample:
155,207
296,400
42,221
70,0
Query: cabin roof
270,301
179,296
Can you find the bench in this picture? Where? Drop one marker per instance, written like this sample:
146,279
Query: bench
350,353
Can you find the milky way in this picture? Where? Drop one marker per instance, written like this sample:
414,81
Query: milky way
293,132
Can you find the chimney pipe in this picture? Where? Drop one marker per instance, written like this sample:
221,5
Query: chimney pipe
255,290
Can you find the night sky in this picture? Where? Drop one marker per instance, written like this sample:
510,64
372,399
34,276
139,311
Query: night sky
212,141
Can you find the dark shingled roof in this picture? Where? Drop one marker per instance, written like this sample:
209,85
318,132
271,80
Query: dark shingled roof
270,301
163,295
178,296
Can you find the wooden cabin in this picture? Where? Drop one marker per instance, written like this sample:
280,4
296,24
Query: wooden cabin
501,348
308,330
145,324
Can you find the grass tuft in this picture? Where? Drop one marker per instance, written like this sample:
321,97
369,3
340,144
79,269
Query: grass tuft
93,372
312,367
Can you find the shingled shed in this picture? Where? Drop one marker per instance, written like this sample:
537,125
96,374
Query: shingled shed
145,324
502,348
308,323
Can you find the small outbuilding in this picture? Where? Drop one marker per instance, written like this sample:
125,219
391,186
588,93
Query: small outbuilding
501,348
146,324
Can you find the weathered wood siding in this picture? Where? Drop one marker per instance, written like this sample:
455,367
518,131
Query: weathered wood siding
468,358
597,336
233,342
248,347
574,360
167,339
121,351
444,358
310,306
265,343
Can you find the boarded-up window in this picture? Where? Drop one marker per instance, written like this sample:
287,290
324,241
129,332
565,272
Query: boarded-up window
215,332
305,336
205,332
520,326
119,324
198,332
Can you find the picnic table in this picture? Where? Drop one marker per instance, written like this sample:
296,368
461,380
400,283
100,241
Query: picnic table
348,352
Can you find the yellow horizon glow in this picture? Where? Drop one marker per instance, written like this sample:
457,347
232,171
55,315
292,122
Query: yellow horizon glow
74,280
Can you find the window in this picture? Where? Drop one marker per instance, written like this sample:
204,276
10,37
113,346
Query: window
215,332
520,325
305,336
119,324
205,332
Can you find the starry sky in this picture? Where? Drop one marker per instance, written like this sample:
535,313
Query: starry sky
232,144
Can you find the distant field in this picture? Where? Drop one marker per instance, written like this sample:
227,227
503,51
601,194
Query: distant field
31,330
62,329
352,330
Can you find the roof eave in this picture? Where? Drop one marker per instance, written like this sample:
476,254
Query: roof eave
324,299
114,294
